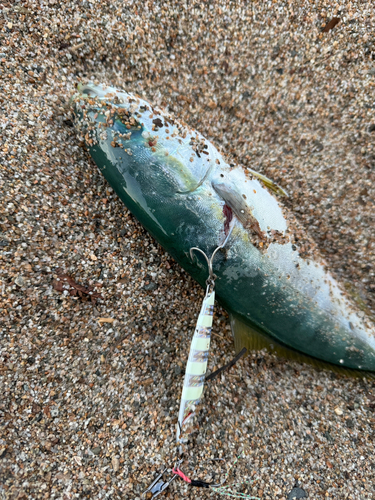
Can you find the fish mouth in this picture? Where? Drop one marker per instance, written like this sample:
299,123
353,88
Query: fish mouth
100,91
86,89
91,90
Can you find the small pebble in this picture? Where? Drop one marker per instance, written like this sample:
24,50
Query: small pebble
115,464
297,493
19,281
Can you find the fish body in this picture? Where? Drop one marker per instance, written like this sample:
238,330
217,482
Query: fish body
270,276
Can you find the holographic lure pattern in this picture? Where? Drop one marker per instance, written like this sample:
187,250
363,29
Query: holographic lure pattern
196,366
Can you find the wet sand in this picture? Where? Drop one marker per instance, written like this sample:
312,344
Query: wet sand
88,408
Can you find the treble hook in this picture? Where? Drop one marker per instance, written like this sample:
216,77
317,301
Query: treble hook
211,275
159,484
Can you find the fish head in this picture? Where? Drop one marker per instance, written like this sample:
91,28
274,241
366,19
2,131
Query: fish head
142,141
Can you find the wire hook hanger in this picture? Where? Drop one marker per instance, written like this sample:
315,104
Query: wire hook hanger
211,275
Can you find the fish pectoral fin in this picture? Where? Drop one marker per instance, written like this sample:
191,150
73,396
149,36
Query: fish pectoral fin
232,197
234,200
270,184
246,336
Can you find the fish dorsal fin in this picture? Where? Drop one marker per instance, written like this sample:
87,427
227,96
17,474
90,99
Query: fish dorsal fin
267,182
254,340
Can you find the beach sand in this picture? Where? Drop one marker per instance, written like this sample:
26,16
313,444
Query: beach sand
88,408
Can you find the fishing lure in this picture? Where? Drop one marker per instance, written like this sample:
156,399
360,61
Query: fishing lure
196,366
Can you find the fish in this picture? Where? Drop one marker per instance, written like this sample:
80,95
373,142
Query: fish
270,276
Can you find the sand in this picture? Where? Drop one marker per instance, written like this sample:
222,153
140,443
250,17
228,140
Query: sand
88,407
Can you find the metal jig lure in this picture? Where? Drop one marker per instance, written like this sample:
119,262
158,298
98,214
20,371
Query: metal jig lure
196,366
